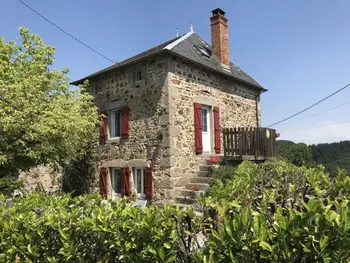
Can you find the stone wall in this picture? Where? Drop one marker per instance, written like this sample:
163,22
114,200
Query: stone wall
148,100
161,116
50,179
188,84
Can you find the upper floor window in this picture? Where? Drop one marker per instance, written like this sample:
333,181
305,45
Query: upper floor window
137,76
115,124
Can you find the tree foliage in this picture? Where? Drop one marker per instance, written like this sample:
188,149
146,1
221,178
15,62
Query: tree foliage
79,176
331,155
42,120
297,153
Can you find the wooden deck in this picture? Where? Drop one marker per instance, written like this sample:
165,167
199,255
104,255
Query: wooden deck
249,143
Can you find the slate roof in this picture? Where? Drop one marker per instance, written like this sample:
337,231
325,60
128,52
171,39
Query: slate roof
128,61
191,47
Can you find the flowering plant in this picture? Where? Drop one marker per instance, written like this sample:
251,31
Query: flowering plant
193,187
214,160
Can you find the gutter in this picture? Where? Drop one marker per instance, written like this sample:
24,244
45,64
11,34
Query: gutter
257,100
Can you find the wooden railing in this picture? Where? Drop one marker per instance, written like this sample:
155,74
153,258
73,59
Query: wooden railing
249,143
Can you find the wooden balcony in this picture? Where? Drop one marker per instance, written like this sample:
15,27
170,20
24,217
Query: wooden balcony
249,143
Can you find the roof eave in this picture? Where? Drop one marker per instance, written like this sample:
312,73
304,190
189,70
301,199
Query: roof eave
100,73
116,66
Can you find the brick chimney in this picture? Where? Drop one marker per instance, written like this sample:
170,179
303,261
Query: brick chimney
219,36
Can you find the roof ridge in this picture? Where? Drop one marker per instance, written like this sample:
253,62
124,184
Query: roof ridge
184,46
176,42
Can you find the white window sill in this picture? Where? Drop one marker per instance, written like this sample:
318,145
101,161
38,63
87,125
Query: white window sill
113,140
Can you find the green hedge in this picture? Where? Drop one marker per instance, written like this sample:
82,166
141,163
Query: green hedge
41,228
275,212
278,212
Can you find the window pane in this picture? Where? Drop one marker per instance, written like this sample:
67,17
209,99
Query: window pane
117,181
144,182
138,76
139,185
204,120
117,124
111,123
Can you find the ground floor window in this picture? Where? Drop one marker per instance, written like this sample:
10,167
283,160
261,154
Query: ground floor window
116,181
139,176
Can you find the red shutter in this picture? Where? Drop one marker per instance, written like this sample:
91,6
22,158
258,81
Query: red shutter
149,180
217,130
125,122
198,128
125,181
103,182
103,128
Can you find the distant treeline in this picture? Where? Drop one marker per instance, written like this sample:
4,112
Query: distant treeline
331,155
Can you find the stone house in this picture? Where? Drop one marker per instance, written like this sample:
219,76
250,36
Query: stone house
165,109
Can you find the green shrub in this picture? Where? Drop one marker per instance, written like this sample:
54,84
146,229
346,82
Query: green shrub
320,233
80,174
278,212
41,228
9,184
274,212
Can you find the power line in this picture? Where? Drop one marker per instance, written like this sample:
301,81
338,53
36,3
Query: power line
64,31
319,113
311,106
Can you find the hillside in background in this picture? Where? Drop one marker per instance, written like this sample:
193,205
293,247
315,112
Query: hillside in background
331,155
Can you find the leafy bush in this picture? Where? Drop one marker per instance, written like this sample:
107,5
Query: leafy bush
9,184
278,212
43,228
274,212
80,174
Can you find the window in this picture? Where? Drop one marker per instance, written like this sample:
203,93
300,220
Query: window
115,121
204,120
137,76
116,180
139,181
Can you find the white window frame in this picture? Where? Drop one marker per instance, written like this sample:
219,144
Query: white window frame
112,124
113,181
143,181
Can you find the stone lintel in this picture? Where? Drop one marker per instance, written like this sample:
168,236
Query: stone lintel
118,163
206,101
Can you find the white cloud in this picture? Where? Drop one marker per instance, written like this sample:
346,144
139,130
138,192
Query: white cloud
314,133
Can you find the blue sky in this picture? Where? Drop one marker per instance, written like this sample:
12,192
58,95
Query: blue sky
299,50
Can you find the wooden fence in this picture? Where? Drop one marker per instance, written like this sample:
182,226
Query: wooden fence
249,143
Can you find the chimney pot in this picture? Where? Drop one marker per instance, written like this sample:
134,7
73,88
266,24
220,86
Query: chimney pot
218,11
219,36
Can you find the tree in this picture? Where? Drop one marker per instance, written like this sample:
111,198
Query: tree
42,120
283,147
296,153
332,156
